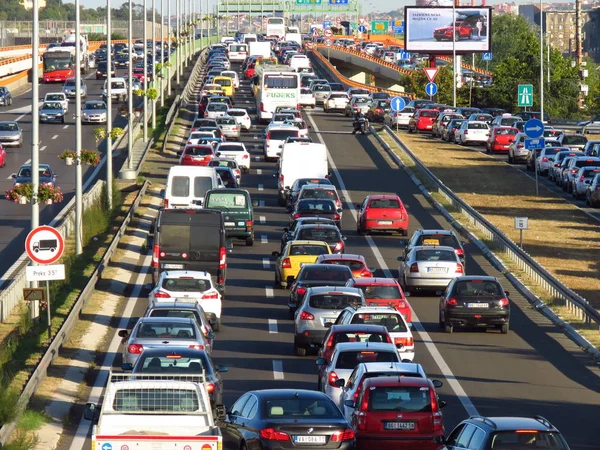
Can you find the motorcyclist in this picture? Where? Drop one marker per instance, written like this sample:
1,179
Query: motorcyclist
357,119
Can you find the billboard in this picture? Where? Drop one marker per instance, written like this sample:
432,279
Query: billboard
430,30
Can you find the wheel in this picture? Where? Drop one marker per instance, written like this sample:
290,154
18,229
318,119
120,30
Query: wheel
504,328
300,351
276,281
510,159
361,232
291,313
10,101
441,322
243,446
281,201
62,120
250,241
217,325
448,328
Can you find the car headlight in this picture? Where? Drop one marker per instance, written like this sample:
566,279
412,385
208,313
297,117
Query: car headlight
84,115
59,114
43,115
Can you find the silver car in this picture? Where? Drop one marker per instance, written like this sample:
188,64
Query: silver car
321,92
319,310
11,135
583,180
69,88
52,112
544,162
229,127
93,111
357,104
153,332
573,167
516,150
429,267
556,166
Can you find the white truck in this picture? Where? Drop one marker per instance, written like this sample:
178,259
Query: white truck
69,43
162,412
294,37
300,160
259,49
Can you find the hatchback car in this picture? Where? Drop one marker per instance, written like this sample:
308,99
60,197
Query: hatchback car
70,88
229,126
294,191
516,150
227,177
52,112
472,132
215,109
241,117
378,110
335,101
235,151
422,120
582,180
293,257
313,207
196,155
475,301
23,175
307,98
429,267
544,161
398,118
555,169
318,232
572,169
449,131
183,307
574,141
356,263
57,97
93,111
434,238
500,139
383,292
6,98
441,121
592,194
382,213
321,191
357,104
354,332
321,92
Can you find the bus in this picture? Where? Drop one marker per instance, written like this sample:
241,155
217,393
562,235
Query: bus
275,27
276,85
58,65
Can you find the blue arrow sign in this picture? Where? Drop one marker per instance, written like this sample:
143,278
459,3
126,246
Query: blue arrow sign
362,29
534,128
327,24
405,55
431,89
535,143
486,56
397,104
106,446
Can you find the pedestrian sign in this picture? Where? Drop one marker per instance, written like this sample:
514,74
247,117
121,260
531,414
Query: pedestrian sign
525,95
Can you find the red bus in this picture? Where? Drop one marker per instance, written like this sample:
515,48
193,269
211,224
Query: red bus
58,65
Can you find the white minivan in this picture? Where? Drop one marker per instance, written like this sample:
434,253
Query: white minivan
300,160
274,139
187,185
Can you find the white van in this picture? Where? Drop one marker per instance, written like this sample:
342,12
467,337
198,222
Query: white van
300,160
237,52
187,185
274,139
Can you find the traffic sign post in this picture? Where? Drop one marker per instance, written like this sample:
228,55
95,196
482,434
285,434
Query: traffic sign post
431,73
486,56
521,223
397,104
398,27
534,128
405,55
362,29
328,32
379,27
525,95
327,24
45,245
431,89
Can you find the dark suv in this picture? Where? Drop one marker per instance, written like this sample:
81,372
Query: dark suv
499,433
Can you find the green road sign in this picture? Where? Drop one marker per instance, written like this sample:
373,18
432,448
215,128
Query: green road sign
525,95
379,26
308,2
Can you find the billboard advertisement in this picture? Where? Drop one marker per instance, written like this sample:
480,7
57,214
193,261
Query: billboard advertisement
431,30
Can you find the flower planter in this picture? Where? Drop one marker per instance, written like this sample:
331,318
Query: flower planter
69,161
22,200
49,201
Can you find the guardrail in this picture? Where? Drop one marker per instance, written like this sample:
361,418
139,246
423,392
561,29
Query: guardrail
63,333
576,304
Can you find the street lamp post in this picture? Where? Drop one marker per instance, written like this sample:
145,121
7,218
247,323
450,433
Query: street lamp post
178,48
35,120
153,62
162,53
169,46
109,162
454,81
78,168
541,61
145,83
130,90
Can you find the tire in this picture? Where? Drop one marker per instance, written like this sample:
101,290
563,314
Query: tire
217,326
448,328
250,241
62,120
504,328
510,159
281,201
300,351
441,323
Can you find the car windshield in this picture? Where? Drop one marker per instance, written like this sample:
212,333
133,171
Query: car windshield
94,105
173,363
282,135
199,151
435,255
282,117
333,301
380,292
574,140
51,106
70,83
319,193
168,330
55,97
186,284
301,408
219,106
391,321
227,200
446,240
477,287
308,249
400,399
526,440
350,359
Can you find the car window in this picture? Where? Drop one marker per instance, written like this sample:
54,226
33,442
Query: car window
478,287
335,302
380,292
308,249
391,321
465,436
301,408
186,284
238,406
384,204
249,407
435,255
574,140
166,330
400,399
350,359
199,151
318,234
173,364
446,240
228,200
477,439
524,439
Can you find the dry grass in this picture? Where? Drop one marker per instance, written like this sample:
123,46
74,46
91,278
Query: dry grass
560,237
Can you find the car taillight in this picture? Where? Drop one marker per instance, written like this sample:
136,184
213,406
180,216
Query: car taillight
414,268
341,436
210,387
544,159
301,291
336,217
155,253
379,110
451,302
582,178
332,379
466,131
249,223
339,246
262,107
286,264
271,435
459,252
338,204
196,347
245,157
574,170
366,273
205,113
503,302
297,216
306,316
438,423
210,296
405,341
222,257
357,393
520,146
162,294
165,203
459,269
135,349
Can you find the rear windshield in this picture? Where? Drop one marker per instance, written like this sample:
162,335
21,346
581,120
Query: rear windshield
380,292
438,239
590,173
316,205
478,287
186,285
399,399
174,364
317,274
335,301
319,193
508,121
228,121
222,163
305,91
201,185
168,330
218,106
227,200
282,135
352,265
350,359
478,126
238,48
429,114
552,151
199,151
574,140
230,148
387,203
223,81
302,408
506,131
525,440
391,321
174,237
237,113
308,249
435,255
167,400
586,163
359,336
316,234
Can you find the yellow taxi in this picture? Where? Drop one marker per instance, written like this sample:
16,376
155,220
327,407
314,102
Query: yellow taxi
226,84
294,255
262,61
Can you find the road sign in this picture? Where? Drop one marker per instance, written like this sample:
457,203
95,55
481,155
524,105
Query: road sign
362,20
398,26
362,28
308,2
521,223
327,24
379,26
534,128
328,32
44,245
328,42
486,56
535,143
431,73
338,2
313,31
45,273
431,89
525,95
34,294
397,104
405,55
106,446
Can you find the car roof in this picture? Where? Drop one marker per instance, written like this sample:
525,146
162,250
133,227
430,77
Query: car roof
349,346
308,242
371,367
165,319
358,327
374,309
475,277
383,197
289,393
336,289
515,423
444,232
375,280
183,304
327,226
431,247
318,186
395,381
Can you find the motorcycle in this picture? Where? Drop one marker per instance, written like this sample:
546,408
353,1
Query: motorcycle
361,124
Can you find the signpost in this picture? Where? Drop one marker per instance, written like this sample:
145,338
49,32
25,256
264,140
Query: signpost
521,223
338,2
534,129
327,32
397,104
328,42
525,95
327,24
431,89
431,73
486,56
362,29
405,56
45,245
379,26
398,27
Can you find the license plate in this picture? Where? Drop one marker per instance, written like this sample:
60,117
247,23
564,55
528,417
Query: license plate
385,222
172,266
399,426
505,146
478,305
310,439
328,320
230,224
437,269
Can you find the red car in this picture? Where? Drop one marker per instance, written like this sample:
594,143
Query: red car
422,120
500,139
398,413
2,157
138,72
463,30
356,263
382,213
196,155
383,292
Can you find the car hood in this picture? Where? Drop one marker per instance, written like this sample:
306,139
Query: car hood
24,180
446,28
9,133
52,111
93,111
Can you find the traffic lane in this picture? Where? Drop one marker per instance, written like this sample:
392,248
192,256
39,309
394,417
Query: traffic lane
534,361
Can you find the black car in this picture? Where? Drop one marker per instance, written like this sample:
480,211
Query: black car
286,418
182,361
288,233
473,301
316,207
292,194
102,69
312,275
339,87
121,61
493,111
515,433
319,232
452,127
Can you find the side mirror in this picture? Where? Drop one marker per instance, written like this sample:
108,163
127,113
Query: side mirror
327,324
409,325
127,366
437,383
340,382
254,202
442,403
220,412
400,258
358,206
218,154
89,413
342,198
349,403
285,229
123,333
222,369
344,238
276,254
13,175
211,335
320,362
507,293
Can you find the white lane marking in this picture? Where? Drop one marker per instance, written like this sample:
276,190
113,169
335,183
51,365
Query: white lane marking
272,326
96,393
261,203
429,344
43,148
65,127
20,117
55,136
261,187
258,171
269,293
262,219
266,263
263,239
28,161
278,369
9,177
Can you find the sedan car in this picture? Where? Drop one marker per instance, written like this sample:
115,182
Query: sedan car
23,176
215,109
335,101
592,194
382,213
449,131
230,128
318,232
383,292
354,332
235,150
582,180
472,132
241,117
52,112
398,118
57,97
294,256
475,301
93,111
160,332
436,238
291,195
357,104
356,263
282,418
196,155
429,268
70,88
5,96
313,207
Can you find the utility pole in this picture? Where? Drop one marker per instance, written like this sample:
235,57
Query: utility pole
169,71
178,48
130,90
145,84
78,169
162,53
578,49
35,118
109,161
541,60
154,62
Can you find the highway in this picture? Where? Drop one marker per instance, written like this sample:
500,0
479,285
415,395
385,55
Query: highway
533,370
54,138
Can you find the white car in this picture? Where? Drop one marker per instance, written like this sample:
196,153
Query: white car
234,76
196,136
59,97
275,137
307,98
473,132
345,357
242,117
300,124
280,119
399,118
335,101
235,150
215,109
189,284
